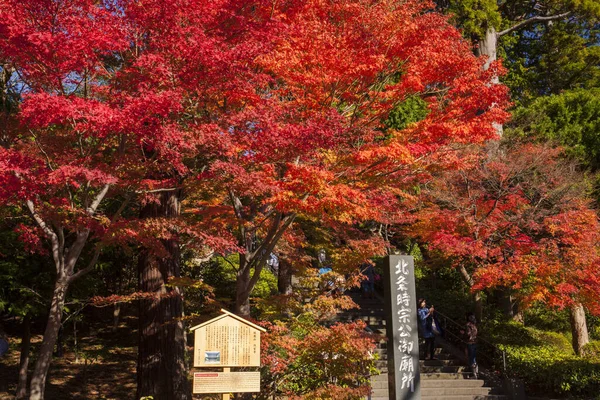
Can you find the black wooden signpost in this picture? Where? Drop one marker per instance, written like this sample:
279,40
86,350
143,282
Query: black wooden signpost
401,328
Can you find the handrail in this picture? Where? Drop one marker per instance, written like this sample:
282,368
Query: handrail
459,338
462,326
501,351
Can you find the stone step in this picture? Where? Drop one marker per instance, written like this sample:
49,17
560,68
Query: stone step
358,299
372,323
379,384
442,383
443,360
449,368
381,395
456,391
379,390
471,396
381,353
441,355
445,375
439,363
466,397
382,359
365,308
371,319
378,328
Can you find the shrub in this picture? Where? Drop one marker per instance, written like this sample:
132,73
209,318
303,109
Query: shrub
304,360
508,333
542,317
545,369
592,350
545,360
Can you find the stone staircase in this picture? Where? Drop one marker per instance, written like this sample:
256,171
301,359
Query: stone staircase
447,378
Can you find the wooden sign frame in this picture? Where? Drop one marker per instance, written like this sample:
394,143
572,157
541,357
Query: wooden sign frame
227,341
223,342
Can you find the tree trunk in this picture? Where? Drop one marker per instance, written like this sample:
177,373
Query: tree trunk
488,46
579,328
75,344
242,293
510,305
478,306
161,370
116,316
60,348
504,300
24,362
468,279
284,277
117,306
40,373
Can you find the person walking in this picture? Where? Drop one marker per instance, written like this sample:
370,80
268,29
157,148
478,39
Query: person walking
470,334
368,283
426,327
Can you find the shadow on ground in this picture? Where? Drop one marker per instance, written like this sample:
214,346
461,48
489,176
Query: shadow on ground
102,368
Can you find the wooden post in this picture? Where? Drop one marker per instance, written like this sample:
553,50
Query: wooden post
226,395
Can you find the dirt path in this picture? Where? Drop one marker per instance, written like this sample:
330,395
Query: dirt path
103,368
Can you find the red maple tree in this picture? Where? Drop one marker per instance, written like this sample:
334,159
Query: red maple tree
316,144
517,218
118,100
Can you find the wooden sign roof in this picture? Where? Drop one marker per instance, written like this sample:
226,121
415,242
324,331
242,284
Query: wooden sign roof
227,314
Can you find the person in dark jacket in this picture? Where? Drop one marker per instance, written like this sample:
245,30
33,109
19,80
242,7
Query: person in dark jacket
368,283
470,336
3,343
426,327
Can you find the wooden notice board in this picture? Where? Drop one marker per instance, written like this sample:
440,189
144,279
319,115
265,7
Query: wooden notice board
226,382
227,341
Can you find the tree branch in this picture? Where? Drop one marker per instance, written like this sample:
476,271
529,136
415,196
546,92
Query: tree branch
267,215
91,210
61,237
158,190
466,276
87,269
75,251
267,240
532,20
230,263
121,207
237,208
39,145
268,248
50,234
